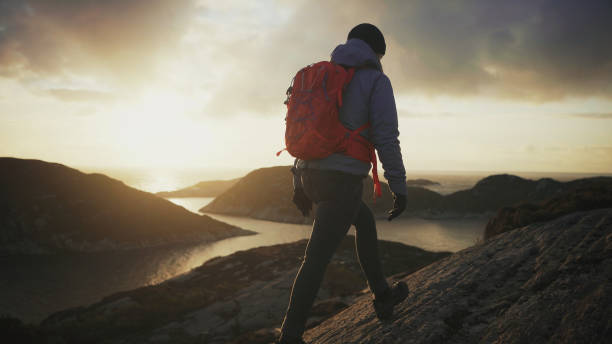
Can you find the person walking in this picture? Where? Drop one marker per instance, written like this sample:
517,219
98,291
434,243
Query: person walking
335,184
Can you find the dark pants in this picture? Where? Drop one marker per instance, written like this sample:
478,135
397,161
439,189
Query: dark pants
339,204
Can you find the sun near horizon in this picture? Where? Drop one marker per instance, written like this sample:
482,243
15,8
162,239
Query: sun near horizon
199,85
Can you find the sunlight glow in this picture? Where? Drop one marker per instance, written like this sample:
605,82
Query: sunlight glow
206,91
156,130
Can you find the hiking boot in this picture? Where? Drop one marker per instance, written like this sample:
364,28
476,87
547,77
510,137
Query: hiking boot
383,306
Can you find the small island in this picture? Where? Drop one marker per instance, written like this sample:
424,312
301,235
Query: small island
421,182
212,188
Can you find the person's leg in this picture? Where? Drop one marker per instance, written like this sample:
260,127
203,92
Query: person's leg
366,243
385,297
333,218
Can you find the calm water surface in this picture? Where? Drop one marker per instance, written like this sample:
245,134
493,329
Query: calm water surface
434,235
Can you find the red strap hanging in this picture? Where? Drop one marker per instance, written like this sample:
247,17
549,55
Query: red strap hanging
377,190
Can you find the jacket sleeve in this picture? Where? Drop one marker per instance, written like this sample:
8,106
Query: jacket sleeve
384,134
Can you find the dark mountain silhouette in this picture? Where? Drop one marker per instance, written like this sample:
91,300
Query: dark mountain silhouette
212,188
594,193
226,297
544,283
48,207
496,191
266,194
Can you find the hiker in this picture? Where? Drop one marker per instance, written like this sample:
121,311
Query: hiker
335,184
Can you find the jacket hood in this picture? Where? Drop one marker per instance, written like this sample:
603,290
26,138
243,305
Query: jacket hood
355,53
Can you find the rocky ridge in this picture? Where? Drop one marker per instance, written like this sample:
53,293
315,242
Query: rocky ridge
547,282
227,297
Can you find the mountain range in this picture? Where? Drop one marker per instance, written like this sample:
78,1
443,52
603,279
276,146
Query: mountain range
266,194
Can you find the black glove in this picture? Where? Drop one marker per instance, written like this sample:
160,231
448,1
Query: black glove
399,205
303,203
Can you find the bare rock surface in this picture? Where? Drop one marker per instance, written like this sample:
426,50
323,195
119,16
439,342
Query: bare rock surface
544,283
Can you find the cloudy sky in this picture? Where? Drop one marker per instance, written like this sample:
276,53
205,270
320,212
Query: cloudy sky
480,85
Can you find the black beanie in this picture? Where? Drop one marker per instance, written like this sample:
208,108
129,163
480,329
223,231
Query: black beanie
371,35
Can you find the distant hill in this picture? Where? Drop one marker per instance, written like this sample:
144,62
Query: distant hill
266,194
211,188
227,297
48,207
579,195
492,193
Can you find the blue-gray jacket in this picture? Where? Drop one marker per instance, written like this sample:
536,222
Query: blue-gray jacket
368,97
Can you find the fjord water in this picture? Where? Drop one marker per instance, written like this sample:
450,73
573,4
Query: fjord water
433,235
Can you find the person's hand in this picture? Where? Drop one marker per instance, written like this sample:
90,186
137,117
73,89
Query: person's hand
302,202
399,205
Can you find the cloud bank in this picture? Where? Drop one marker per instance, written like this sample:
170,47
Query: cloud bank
532,49
117,41
243,54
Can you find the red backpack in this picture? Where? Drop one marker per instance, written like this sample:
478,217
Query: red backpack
314,130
